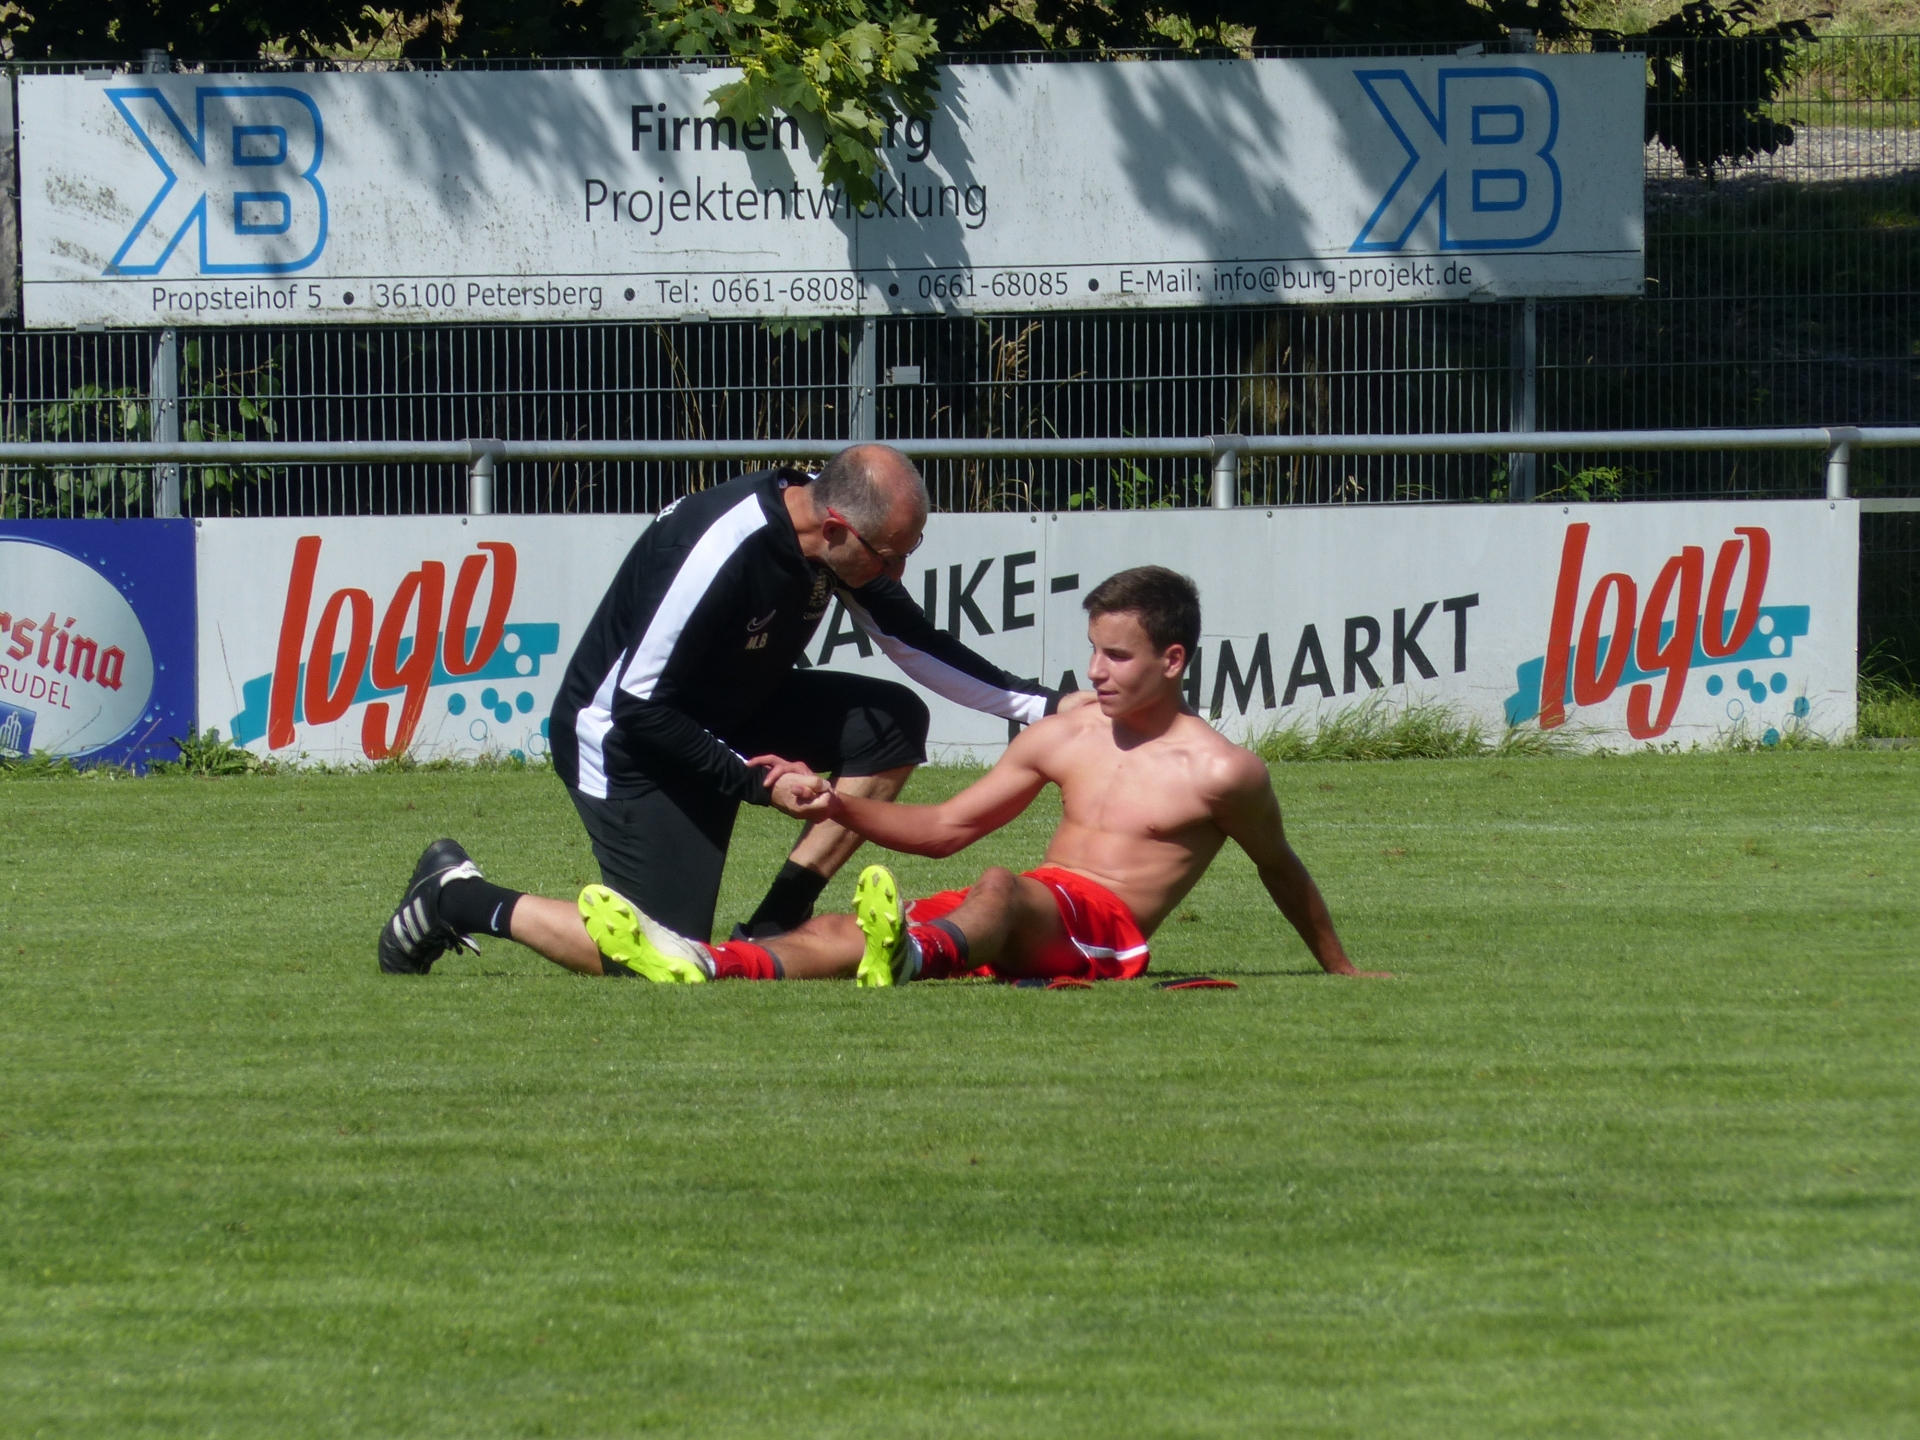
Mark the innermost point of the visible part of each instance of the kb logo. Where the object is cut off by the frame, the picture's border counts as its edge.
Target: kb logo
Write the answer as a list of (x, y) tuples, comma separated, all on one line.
[(1482, 154), (245, 174)]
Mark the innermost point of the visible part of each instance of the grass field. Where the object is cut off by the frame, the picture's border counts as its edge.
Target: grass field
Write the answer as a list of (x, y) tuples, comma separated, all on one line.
[(1629, 1146)]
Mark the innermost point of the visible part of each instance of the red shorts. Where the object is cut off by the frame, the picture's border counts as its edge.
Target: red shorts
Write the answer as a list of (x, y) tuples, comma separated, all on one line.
[(1103, 941)]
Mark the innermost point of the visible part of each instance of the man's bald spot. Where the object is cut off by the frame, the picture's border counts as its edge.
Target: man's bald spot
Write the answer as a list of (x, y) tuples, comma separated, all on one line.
[(877, 488), (899, 477)]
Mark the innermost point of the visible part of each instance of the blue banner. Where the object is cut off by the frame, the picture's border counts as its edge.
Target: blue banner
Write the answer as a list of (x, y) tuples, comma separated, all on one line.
[(97, 638)]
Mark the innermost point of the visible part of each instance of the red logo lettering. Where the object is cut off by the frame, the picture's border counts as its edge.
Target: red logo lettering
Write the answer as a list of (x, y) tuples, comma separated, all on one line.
[(1675, 601), (1759, 549), (505, 565), (420, 592), (323, 705), (326, 697), (1679, 577), (293, 631), (1566, 597)]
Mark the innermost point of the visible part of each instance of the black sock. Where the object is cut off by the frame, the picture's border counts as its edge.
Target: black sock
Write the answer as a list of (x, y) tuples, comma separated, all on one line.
[(789, 901), (477, 907)]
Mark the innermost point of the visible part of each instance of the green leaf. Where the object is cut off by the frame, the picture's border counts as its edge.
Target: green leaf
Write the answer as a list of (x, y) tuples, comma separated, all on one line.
[(855, 65)]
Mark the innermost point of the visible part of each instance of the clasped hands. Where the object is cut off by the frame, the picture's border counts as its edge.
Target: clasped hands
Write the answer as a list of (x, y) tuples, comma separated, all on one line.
[(794, 789)]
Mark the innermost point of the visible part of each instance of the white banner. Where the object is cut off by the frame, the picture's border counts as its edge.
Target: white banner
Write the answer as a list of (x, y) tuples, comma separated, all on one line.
[(1634, 624), (620, 194), (344, 640)]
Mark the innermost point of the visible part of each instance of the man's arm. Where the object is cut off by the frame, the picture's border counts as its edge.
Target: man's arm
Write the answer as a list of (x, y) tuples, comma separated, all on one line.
[(1250, 815), (668, 741), (936, 830), (885, 610)]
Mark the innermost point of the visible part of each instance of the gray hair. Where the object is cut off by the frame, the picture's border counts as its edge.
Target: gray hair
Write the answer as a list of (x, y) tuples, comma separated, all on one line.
[(856, 483)]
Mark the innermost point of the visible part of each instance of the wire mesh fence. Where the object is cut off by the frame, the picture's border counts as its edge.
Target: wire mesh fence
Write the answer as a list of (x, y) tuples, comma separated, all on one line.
[(1783, 288), (1890, 595)]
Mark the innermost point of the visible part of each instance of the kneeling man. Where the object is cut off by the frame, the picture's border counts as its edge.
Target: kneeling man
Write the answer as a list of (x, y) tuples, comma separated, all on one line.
[(1150, 791)]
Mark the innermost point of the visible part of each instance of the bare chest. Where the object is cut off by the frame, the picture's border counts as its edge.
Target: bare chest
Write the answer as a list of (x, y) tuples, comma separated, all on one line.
[(1147, 793)]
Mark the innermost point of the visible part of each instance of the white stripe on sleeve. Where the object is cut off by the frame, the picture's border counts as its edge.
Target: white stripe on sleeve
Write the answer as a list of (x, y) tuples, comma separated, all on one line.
[(696, 577), (944, 679)]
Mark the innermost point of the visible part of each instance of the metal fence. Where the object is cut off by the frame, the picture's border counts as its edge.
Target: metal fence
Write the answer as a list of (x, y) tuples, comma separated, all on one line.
[(1782, 291)]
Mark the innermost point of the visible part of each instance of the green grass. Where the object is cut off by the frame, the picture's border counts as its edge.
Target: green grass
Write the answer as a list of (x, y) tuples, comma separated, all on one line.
[(1628, 1148), (1888, 708)]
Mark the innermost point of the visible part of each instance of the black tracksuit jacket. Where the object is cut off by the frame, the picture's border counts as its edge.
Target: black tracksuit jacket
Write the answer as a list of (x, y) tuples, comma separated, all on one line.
[(705, 618)]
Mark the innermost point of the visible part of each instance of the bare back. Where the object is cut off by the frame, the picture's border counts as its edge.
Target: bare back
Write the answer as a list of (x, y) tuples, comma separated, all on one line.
[(1140, 814)]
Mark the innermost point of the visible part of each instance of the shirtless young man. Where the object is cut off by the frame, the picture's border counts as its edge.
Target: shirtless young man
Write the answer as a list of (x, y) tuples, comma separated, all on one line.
[(1151, 792)]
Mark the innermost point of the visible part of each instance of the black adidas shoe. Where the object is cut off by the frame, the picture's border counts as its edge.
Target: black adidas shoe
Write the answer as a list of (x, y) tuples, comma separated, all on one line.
[(416, 936)]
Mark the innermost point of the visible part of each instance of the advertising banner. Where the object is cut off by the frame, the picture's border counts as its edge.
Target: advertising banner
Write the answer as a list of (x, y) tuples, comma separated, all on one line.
[(1622, 625), (621, 194), (355, 640), (1599, 619), (96, 638)]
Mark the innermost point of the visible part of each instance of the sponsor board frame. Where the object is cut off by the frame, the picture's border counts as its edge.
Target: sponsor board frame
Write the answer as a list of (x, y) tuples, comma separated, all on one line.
[(1308, 610), (570, 195)]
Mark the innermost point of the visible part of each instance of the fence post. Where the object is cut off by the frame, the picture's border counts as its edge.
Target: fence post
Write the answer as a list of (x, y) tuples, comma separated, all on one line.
[(863, 379), (1524, 416), (1840, 440), (480, 484), (165, 428), (1226, 471), (165, 397)]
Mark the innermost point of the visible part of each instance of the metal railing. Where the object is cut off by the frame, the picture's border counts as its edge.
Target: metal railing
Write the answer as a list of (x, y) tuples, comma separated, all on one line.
[(482, 457), (1783, 288)]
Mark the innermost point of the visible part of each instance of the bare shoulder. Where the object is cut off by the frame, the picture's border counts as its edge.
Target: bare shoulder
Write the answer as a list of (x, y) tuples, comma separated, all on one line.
[(1043, 741), (1225, 771)]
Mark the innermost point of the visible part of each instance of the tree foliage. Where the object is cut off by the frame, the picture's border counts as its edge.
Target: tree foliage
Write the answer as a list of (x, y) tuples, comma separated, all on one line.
[(974, 26), (227, 30), (1708, 98), (855, 67)]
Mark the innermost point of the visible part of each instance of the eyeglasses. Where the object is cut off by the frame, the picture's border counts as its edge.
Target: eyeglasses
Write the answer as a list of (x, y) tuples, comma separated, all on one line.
[(874, 550)]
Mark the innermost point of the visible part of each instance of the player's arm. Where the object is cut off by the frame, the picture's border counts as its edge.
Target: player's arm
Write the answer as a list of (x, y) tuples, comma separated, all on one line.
[(936, 830), (1249, 813)]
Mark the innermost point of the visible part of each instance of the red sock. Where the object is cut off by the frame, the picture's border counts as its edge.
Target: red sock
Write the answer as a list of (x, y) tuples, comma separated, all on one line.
[(940, 953), (740, 960)]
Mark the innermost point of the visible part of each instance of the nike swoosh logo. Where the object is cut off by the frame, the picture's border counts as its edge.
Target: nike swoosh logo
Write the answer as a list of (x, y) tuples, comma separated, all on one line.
[(764, 621)]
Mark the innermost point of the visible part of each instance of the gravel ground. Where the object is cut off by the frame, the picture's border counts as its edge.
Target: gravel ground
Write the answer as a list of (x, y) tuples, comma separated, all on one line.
[(1818, 153)]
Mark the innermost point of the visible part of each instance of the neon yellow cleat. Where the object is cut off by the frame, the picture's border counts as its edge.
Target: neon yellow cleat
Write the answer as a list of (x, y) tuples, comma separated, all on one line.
[(883, 920), (637, 943)]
